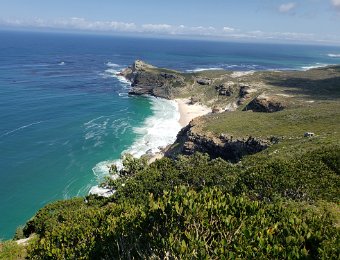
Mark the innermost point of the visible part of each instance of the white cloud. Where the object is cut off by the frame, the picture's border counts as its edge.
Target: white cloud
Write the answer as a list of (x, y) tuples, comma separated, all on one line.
[(287, 7), (228, 29), (72, 23), (336, 4), (157, 28), (226, 32)]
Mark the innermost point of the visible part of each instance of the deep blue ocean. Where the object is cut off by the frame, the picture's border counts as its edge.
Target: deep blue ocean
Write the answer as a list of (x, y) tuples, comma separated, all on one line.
[(65, 115)]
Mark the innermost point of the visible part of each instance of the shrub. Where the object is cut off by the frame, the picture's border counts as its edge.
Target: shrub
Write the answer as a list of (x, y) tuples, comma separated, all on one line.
[(186, 224), (314, 175)]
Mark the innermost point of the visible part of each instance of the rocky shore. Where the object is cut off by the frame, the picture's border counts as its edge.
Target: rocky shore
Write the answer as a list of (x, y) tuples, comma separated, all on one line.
[(214, 92)]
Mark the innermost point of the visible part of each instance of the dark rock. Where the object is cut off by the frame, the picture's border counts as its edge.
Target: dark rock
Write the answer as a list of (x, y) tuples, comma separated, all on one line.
[(245, 91), (225, 89), (216, 109), (224, 146), (194, 100), (308, 134), (203, 81), (241, 101), (149, 80), (264, 104)]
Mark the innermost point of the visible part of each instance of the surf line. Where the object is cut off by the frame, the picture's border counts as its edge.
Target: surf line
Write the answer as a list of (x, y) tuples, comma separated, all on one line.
[(20, 128)]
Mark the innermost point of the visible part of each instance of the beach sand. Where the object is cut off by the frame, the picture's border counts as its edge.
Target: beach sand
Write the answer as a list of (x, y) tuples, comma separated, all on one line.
[(189, 112)]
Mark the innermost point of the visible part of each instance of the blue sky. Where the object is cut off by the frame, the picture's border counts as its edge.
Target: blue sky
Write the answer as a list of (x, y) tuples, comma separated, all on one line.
[(315, 21)]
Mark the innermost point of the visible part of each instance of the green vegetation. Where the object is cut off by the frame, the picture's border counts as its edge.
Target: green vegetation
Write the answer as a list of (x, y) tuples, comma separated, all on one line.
[(281, 203), (200, 208), (10, 250), (322, 119)]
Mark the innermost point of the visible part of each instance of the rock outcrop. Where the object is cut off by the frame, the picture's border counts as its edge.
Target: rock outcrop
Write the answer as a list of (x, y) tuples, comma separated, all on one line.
[(223, 146), (149, 80), (204, 81), (265, 104), (226, 89)]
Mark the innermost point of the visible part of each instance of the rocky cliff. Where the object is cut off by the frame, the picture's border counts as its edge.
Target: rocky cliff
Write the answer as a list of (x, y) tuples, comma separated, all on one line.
[(233, 92), (149, 80), (190, 140)]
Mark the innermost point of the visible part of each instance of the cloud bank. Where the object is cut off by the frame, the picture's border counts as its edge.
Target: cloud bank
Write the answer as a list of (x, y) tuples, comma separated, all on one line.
[(225, 32)]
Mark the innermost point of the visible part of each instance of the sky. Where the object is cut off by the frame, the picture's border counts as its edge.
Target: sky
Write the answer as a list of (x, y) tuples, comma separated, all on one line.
[(299, 21)]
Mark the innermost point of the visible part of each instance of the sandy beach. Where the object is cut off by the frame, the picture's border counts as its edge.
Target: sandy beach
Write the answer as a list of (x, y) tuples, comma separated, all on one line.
[(189, 112)]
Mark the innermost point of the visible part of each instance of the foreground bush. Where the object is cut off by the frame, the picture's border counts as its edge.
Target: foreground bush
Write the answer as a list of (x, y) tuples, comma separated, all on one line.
[(247, 210), (314, 175), (10, 250), (189, 224)]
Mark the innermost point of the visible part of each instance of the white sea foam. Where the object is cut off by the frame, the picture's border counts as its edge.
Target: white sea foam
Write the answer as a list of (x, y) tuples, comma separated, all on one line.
[(315, 66), (156, 132), (104, 192), (242, 67), (113, 72), (334, 55), (114, 65), (20, 128), (204, 69), (61, 63)]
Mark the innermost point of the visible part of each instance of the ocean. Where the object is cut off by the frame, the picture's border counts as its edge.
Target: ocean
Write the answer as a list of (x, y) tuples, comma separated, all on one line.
[(65, 115)]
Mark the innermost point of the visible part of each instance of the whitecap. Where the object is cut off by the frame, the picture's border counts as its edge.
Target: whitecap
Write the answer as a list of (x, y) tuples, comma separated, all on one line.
[(333, 55), (315, 66), (62, 63), (157, 131), (103, 192), (204, 69), (20, 128), (114, 65), (113, 72)]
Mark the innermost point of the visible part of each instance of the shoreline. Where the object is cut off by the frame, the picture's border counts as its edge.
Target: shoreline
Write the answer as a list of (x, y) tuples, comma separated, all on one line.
[(189, 111)]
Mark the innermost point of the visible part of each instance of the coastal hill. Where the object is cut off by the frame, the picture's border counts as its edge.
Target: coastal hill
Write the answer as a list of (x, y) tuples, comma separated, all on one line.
[(308, 101), (258, 91), (257, 178)]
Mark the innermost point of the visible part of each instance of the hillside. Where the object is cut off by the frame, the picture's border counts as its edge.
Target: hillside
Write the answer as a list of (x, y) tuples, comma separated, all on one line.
[(258, 178)]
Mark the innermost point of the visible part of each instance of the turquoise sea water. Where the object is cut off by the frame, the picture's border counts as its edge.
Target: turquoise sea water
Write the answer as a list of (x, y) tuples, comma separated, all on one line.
[(64, 114)]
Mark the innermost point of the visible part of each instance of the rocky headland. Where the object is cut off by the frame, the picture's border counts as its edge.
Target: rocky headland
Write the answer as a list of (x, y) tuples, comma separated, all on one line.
[(235, 95)]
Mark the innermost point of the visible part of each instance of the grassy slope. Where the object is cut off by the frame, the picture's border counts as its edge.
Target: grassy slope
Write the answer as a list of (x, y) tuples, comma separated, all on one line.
[(295, 88), (313, 106)]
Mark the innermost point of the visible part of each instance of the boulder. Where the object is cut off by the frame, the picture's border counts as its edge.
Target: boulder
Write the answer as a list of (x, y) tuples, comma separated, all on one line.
[(203, 81), (245, 91), (194, 100), (308, 134), (216, 109), (225, 89)]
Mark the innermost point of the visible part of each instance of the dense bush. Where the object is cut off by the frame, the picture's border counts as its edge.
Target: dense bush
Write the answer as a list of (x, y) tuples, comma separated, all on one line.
[(196, 171), (314, 175), (221, 210), (10, 250), (189, 224), (212, 224)]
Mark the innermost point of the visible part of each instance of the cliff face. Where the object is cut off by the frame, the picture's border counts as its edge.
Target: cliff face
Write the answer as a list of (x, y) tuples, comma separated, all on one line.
[(190, 140), (149, 80), (265, 104)]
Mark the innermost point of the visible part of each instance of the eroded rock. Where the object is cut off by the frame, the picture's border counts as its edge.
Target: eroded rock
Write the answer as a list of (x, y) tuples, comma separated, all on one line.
[(265, 104)]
